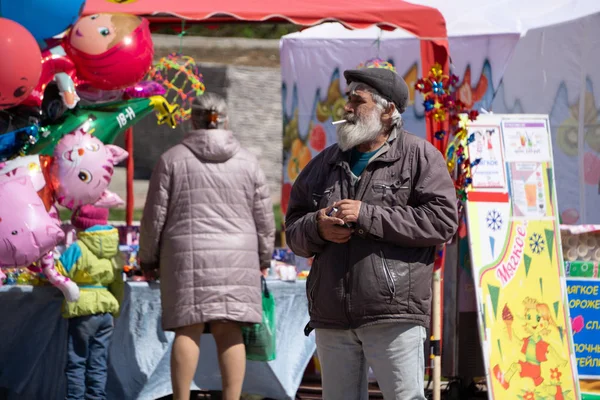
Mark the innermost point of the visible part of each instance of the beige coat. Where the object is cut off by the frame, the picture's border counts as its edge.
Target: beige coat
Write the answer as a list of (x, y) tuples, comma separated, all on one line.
[(208, 223)]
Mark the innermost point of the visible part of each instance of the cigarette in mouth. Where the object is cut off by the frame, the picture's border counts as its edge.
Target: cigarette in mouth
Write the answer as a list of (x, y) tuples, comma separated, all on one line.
[(341, 121)]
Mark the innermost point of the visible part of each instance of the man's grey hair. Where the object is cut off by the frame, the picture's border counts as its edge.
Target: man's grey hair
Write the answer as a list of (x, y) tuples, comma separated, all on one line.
[(382, 103), (206, 105)]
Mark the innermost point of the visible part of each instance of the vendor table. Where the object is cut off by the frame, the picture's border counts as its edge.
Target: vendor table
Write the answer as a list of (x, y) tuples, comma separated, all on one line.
[(33, 346)]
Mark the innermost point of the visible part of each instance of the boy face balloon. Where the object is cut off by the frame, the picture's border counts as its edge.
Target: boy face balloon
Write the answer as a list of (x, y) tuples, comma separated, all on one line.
[(20, 68), (97, 33), (110, 51)]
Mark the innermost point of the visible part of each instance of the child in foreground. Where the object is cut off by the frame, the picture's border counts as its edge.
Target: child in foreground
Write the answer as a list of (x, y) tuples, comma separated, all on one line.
[(90, 262)]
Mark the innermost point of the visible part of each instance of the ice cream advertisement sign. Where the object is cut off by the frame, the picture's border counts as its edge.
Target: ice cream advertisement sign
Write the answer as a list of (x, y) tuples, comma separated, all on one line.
[(584, 303), (507, 270), (526, 140), (517, 264)]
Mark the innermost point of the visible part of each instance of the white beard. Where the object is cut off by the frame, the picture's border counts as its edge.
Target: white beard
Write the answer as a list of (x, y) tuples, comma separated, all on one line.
[(358, 130)]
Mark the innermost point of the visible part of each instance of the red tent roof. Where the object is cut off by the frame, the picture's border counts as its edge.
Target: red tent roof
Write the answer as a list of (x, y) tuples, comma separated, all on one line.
[(423, 22)]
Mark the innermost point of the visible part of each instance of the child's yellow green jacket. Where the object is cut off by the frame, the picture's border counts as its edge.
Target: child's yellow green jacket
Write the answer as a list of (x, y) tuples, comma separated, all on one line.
[(90, 262)]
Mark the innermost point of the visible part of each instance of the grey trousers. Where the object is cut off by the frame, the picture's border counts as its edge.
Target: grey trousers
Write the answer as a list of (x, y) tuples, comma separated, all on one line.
[(393, 350)]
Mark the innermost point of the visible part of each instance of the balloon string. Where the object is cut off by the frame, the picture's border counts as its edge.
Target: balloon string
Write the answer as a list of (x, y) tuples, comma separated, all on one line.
[(181, 36)]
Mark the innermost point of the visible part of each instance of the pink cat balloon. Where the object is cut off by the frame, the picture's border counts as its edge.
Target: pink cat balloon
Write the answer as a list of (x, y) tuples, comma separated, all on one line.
[(29, 234), (82, 170)]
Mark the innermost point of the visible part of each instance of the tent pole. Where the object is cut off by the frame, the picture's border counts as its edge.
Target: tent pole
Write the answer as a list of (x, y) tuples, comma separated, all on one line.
[(436, 322), (130, 194), (436, 52)]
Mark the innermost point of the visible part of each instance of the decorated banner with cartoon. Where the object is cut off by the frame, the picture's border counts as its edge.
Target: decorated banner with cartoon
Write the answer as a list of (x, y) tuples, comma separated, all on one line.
[(516, 257)]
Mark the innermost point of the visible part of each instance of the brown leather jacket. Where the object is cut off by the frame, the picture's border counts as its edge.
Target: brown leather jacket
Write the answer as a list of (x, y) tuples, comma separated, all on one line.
[(384, 272)]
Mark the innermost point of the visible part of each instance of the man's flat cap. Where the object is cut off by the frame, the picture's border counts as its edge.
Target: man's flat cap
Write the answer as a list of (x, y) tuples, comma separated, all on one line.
[(388, 84)]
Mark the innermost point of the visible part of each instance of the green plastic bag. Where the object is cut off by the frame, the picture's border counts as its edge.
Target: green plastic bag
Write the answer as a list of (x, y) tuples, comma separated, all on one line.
[(260, 338)]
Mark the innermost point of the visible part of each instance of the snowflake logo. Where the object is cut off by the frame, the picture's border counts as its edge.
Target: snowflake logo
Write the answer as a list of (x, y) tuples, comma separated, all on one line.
[(536, 243), (494, 220)]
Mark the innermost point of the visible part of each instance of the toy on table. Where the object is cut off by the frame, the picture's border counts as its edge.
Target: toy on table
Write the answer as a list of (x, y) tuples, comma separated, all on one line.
[(581, 250), (11, 279), (283, 265), (131, 268), (303, 275)]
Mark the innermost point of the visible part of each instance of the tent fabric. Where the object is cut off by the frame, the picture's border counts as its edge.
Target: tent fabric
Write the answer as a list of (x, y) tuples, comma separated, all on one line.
[(474, 18), (420, 20)]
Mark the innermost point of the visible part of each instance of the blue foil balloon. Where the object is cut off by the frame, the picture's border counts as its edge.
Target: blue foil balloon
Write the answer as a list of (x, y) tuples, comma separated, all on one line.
[(43, 18), (18, 141)]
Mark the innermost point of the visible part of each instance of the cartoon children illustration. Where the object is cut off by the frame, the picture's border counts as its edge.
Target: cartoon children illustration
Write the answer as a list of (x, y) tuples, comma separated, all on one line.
[(490, 144), (538, 325)]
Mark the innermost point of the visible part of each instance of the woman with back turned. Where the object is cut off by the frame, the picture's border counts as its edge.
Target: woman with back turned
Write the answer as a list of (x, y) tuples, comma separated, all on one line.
[(208, 225)]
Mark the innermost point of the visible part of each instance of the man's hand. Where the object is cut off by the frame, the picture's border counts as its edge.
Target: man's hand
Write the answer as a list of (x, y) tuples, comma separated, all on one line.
[(332, 228), (348, 210)]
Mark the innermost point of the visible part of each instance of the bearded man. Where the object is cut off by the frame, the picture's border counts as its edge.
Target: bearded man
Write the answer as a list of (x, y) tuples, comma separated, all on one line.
[(371, 210)]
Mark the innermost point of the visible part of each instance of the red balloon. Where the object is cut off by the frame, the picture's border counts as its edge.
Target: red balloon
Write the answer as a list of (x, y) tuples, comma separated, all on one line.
[(110, 51), (20, 65), (51, 65)]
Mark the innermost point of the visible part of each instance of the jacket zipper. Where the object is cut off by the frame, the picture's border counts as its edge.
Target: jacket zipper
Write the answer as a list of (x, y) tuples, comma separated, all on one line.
[(383, 188), (347, 288), (352, 192), (313, 288), (388, 276)]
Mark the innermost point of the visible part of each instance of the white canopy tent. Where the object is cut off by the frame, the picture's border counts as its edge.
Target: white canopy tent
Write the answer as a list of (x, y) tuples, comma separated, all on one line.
[(513, 56)]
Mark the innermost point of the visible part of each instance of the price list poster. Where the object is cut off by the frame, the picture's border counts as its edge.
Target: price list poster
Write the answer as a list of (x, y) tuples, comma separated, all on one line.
[(516, 256)]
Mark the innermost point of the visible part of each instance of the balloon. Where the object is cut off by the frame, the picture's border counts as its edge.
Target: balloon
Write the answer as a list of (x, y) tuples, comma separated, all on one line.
[(43, 18), (105, 121), (28, 233), (179, 75), (110, 51), (20, 68), (145, 89), (26, 230), (16, 142), (79, 173), (56, 67), (82, 170), (28, 166), (93, 96)]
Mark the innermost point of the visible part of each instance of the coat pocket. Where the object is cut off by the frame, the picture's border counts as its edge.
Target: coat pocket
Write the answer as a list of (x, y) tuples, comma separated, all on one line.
[(320, 199), (311, 285), (393, 278), (390, 193), (389, 279)]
